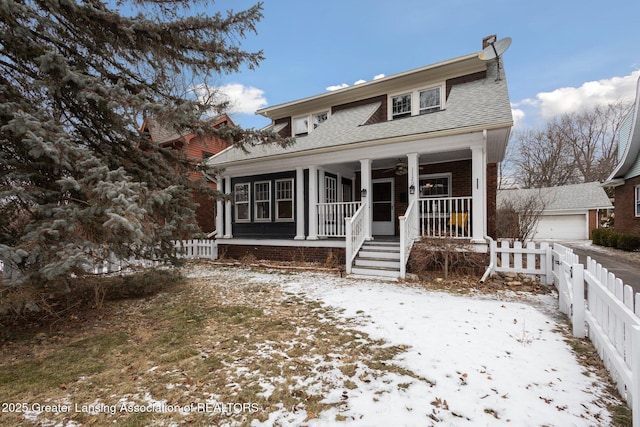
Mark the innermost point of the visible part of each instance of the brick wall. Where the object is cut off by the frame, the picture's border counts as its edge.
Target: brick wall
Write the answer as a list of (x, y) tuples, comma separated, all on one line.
[(492, 190), (625, 217), (282, 253)]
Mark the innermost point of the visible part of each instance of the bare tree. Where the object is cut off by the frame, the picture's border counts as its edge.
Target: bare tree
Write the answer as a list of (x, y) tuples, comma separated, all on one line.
[(518, 215), (569, 149)]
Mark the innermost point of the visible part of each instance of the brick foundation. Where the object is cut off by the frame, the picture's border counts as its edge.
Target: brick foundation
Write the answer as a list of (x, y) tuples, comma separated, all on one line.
[(283, 253)]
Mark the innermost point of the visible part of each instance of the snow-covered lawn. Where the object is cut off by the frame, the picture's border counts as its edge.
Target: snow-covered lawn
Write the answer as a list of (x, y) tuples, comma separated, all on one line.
[(475, 360)]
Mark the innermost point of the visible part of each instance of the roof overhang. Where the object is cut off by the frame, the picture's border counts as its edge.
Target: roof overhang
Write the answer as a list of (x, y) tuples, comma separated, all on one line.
[(438, 72)]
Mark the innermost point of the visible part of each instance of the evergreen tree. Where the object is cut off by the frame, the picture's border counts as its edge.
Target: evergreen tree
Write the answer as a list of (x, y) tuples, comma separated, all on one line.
[(78, 181)]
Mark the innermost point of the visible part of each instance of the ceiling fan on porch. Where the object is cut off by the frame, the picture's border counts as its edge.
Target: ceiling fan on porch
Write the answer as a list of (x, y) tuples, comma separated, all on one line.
[(400, 167)]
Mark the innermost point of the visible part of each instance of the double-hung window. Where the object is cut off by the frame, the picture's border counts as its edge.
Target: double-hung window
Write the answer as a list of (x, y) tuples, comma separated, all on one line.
[(416, 102), (284, 200), (401, 106), (637, 200), (429, 100), (262, 202), (435, 185), (305, 124), (242, 198)]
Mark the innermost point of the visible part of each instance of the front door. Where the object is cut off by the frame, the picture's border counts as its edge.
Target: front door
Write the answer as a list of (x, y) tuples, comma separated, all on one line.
[(382, 201)]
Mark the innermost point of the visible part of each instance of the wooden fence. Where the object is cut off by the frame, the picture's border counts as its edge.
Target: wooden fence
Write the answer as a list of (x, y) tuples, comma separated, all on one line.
[(598, 304)]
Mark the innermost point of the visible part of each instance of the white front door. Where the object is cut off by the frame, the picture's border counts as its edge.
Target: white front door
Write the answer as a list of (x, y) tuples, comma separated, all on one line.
[(382, 207)]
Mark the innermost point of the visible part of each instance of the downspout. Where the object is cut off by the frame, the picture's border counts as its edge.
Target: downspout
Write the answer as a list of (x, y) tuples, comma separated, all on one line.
[(492, 265), (488, 238)]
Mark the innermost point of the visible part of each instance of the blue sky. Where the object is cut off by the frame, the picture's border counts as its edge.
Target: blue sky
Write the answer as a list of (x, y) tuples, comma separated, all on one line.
[(564, 54)]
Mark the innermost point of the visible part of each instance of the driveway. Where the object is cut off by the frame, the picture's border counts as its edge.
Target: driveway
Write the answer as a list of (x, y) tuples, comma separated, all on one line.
[(625, 265)]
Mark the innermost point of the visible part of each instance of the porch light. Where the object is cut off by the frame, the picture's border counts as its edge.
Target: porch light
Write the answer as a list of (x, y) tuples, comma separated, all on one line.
[(412, 189), (363, 193)]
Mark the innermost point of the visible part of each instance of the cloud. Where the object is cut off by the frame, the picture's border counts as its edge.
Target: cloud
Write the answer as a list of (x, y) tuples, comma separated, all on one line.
[(590, 94), (357, 82), (518, 115), (337, 87), (243, 99)]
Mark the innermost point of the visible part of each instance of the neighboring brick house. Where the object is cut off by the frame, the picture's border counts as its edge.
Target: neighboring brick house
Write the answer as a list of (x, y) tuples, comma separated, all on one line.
[(408, 155), (625, 179), (197, 148)]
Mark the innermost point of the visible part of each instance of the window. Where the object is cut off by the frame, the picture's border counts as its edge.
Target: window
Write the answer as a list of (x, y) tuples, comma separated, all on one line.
[(320, 118), (638, 200), (429, 100), (330, 189), (262, 204), (435, 185), (241, 198), (401, 105), (284, 200), (301, 124), (416, 102)]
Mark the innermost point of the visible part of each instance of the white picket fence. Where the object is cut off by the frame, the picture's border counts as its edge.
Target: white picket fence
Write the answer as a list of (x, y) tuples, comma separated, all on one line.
[(185, 249), (609, 316)]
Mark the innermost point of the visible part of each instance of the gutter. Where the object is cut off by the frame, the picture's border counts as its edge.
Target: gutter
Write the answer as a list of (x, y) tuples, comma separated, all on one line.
[(492, 266)]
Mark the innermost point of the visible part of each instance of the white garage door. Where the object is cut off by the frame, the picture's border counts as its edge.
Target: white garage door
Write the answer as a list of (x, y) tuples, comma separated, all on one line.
[(566, 227)]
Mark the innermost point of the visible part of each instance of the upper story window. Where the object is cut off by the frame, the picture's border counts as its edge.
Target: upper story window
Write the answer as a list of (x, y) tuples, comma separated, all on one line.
[(416, 102), (401, 105), (429, 100), (301, 124)]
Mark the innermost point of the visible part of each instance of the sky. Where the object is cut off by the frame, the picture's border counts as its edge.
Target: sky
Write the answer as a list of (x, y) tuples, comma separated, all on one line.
[(564, 56)]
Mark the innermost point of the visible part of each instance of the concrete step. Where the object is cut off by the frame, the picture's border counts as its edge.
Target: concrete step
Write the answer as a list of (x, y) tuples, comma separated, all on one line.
[(377, 262), (368, 253), (376, 272)]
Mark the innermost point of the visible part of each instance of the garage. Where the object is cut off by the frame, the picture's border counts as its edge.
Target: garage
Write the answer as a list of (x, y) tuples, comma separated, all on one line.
[(564, 227)]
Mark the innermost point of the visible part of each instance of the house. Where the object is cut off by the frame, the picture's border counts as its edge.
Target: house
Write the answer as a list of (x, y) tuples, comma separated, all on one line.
[(197, 148), (569, 212), (625, 179), (386, 161)]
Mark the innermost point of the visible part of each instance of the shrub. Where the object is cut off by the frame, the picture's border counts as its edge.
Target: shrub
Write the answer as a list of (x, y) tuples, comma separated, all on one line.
[(628, 242), (609, 238)]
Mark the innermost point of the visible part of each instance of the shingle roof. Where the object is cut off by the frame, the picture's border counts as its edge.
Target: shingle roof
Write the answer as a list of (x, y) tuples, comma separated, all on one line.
[(590, 195), (478, 103)]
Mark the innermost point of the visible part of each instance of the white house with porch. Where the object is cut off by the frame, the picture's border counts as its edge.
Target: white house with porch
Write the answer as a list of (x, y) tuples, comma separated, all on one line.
[(379, 163)]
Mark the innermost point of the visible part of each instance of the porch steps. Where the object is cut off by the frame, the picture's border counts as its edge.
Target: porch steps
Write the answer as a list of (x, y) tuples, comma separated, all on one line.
[(378, 259)]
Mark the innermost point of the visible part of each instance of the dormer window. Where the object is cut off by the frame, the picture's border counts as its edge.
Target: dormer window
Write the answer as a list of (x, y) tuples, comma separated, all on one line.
[(301, 124), (422, 101), (401, 106), (429, 100)]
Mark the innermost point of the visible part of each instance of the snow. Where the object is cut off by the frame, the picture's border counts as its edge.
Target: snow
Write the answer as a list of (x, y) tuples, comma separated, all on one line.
[(475, 361)]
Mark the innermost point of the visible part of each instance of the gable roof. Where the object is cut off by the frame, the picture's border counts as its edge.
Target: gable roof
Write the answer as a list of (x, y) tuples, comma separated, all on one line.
[(162, 135), (628, 145), (589, 195), (472, 106)]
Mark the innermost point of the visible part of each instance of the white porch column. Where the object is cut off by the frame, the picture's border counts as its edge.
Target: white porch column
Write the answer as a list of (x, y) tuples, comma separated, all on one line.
[(313, 203), (227, 210), (300, 219), (414, 179), (365, 186), (478, 195), (219, 208)]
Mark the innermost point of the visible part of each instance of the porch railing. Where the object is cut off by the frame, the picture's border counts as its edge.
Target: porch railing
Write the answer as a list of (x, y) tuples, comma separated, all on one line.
[(445, 217), (356, 233), (331, 217), (408, 234)]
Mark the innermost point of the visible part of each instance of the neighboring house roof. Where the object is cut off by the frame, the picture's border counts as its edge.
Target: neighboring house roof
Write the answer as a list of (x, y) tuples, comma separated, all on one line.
[(628, 145), (161, 134), (472, 106), (586, 196)]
